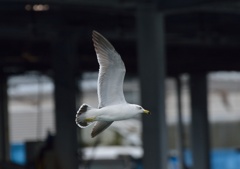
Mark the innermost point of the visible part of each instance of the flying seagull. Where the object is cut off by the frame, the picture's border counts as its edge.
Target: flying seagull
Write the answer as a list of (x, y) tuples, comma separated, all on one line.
[(112, 104)]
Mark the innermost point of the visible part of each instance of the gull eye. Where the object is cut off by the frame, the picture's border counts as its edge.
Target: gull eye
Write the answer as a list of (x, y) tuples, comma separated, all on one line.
[(139, 107)]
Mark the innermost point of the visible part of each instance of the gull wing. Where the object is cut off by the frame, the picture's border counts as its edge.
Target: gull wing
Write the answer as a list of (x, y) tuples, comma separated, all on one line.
[(110, 78), (111, 73), (99, 127)]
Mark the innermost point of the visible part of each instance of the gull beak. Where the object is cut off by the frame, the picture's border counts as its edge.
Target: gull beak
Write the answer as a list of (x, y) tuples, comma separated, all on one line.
[(146, 112)]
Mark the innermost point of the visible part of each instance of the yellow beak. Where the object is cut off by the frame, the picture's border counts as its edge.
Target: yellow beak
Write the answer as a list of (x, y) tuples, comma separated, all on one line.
[(146, 112)]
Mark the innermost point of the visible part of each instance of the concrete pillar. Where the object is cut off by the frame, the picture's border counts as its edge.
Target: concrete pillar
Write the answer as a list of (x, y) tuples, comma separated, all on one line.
[(151, 52), (4, 127), (180, 126), (64, 64), (200, 126)]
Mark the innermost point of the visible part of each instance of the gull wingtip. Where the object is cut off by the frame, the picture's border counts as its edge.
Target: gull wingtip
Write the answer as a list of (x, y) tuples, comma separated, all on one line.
[(94, 32)]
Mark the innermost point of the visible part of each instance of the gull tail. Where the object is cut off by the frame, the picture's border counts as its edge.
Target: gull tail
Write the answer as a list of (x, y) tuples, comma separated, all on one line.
[(81, 117)]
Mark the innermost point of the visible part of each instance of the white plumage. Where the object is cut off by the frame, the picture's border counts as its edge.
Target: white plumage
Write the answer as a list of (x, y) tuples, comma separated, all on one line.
[(112, 103)]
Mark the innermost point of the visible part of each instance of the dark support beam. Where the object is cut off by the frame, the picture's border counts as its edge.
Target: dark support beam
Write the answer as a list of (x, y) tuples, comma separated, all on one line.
[(200, 125), (151, 50), (4, 127), (64, 64), (180, 127)]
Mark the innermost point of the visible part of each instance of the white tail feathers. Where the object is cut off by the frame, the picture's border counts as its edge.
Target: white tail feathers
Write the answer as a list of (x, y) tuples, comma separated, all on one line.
[(81, 119)]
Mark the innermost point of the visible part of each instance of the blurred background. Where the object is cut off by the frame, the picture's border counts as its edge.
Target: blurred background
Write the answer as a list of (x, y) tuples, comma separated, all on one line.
[(182, 61)]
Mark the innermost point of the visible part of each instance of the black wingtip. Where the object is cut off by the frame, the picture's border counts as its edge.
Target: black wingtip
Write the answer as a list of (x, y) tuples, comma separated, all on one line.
[(96, 34), (100, 42), (92, 135)]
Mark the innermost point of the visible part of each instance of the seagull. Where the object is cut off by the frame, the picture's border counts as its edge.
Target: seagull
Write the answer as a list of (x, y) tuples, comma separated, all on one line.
[(112, 104)]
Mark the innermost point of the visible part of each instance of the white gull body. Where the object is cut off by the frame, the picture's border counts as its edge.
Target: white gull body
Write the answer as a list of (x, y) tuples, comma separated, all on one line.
[(112, 104)]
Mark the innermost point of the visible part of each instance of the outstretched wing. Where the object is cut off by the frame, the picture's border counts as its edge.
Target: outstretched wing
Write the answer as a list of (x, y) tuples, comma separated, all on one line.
[(100, 126), (111, 72), (110, 78)]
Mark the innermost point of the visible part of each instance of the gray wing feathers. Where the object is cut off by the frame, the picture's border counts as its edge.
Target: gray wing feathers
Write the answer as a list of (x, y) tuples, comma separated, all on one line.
[(111, 72), (99, 127)]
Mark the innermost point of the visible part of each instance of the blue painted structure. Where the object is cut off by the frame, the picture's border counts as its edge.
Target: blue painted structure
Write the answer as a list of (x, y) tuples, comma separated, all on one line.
[(18, 153)]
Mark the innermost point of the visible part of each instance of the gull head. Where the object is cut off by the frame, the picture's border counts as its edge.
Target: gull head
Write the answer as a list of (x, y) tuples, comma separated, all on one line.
[(140, 109)]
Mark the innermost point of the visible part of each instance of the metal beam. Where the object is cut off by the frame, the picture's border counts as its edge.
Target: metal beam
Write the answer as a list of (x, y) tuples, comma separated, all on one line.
[(200, 126), (4, 127), (151, 50), (180, 126), (173, 7), (64, 64)]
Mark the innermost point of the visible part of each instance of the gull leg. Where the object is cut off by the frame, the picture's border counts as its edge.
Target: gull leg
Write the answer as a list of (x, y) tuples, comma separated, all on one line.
[(90, 119)]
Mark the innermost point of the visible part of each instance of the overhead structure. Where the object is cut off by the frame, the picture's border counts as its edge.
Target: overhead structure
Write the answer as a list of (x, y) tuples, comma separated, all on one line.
[(207, 30), (65, 82), (4, 126), (200, 126), (151, 49)]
